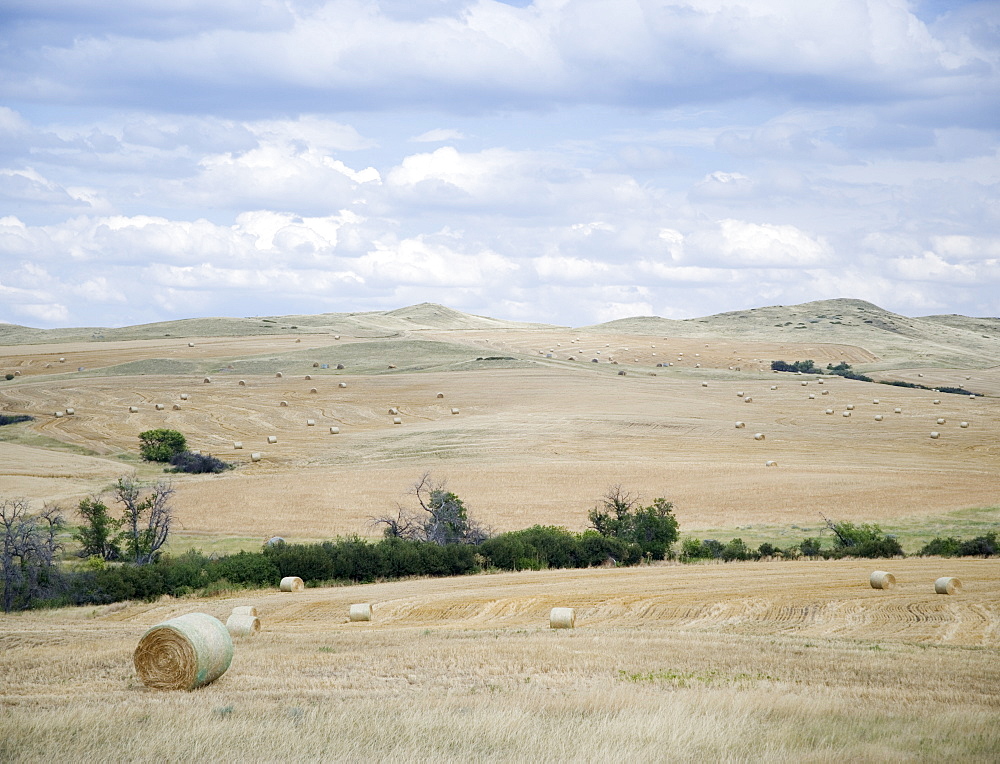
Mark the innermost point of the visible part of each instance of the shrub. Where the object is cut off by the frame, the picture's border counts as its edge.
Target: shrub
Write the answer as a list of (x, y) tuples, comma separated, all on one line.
[(249, 569), (14, 418), (620, 515), (161, 445), (981, 546), (810, 547), (736, 550), (8, 376), (190, 462), (942, 547)]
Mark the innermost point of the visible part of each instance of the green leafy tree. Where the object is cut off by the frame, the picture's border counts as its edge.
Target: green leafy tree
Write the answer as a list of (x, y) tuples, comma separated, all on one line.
[(161, 445), (100, 535), (621, 515)]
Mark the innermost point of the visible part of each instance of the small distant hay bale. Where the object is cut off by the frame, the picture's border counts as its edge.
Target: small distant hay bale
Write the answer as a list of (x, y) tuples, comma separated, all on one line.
[(963, 425), (190, 344), (621, 373), (741, 425), (829, 411), (875, 401), (60, 414), (255, 456), (183, 653), (62, 360), (935, 435), (758, 436), (936, 401), (133, 409), (397, 420), (562, 618), (245, 610), (335, 431), (440, 395), (825, 392), (342, 384), (739, 393), (283, 404), (847, 413), (393, 410), (207, 381), (704, 384), (184, 396), (158, 406), (878, 417), (947, 585), (177, 407), (774, 387), (920, 375), (315, 364), (697, 365), (897, 411), (360, 611), (272, 439), (770, 463), (812, 396), (278, 375), (748, 399), (879, 579), (391, 366), (238, 444), (274, 541), (17, 374), (850, 407), (70, 412), (336, 336), (313, 391), (310, 423), (291, 584), (454, 411), (941, 420), (241, 625), (242, 383), (308, 376), (804, 383)]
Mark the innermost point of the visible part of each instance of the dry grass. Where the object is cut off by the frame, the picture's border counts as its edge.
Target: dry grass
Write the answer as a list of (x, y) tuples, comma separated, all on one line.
[(751, 661)]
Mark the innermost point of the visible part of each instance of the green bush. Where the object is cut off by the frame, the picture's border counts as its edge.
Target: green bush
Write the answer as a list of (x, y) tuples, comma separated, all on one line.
[(14, 418), (161, 445), (620, 515), (192, 463)]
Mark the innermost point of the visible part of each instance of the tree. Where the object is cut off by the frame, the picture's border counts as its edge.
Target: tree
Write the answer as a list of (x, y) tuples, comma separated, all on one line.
[(146, 519), (161, 445), (864, 540), (100, 536), (27, 557), (443, 518), (621, 515)]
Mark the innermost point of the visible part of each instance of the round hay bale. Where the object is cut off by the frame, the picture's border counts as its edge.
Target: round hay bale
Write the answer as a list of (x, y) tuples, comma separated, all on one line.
[(440, 395), (62, 360), (878, 417), (897, 411), (70, 412), (850, 407), (758, 436), (336, 336), (393, 411), (242, 383), (283, 404), (812, 396), (183, 653), (272, 439), (240, 625), (158, 406), (133, 409), (315, 364), (59, 414), (278, 375), (391, 366), (245, 610), (739, 394), (740, 425), (190, 344), (697, 365), (824, 392), (342, 384), (770, 463), (177, 407), (562, 618), (207, 381), (919, 374), (935, 435), (454, 411), (238, 444), (963, 425), (947, 585), (748, 399), (255, 456), (847, 413), (313, 391), (941, 420), (184, 396), (275, 540), (774, 387), (308, 376), (291, 584), (361, 611), (875, 401), (310, 423), (829, 411), (397, 420), (621, 373), (804, 383), (879, 579), (17, 374), (936, 401), (704, 384), (335, 431)]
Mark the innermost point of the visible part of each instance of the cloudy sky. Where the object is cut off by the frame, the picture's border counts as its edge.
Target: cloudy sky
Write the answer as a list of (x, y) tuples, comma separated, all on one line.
[(568, 161)]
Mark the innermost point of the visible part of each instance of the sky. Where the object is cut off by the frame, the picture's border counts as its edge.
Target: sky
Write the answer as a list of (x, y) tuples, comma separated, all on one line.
[(564, 161)]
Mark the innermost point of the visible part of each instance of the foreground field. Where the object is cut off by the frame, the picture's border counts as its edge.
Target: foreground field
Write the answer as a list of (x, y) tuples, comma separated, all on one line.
[(753, 661)]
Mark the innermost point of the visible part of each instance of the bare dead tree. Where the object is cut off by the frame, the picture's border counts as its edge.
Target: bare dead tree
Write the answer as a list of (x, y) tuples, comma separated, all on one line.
[(443, 518), (147, 519), (29, 548)]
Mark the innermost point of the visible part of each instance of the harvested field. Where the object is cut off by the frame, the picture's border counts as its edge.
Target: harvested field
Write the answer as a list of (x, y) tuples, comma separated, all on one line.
[(756, 660)]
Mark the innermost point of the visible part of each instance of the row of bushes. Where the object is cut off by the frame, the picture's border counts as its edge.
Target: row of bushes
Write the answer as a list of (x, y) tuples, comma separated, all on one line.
[(980, 546)]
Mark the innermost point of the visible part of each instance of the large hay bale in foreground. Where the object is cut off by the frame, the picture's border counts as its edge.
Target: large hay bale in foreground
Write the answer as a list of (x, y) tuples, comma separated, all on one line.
[(879, 579), (245, 610), (361, 611), (183, 653), (947, 585), (562, 618), (291, 584), (242, 625)]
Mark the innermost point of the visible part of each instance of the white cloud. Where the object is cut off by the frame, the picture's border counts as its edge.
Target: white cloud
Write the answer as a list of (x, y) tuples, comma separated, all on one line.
[(439, 135), (740, 244), (421, 261)]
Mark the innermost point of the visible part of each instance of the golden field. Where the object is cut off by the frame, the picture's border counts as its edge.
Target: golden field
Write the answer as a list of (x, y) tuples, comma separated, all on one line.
[(745, 661)]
